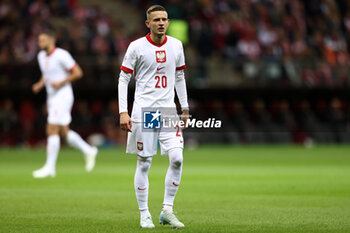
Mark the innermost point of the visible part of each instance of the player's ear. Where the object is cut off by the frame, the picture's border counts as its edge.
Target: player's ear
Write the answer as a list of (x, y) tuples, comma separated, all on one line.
[(147, 23)]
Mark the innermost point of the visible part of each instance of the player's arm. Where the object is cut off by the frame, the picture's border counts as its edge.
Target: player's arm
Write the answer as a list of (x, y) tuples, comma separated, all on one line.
[(125, 120), (180, 87), (74, 74), (38, 85)]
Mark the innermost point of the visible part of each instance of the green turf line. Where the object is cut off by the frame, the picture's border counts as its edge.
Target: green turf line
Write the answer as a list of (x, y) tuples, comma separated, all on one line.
[(246, 189)]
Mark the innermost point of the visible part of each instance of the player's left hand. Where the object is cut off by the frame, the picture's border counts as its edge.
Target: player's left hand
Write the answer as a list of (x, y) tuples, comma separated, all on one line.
[(184, 117), (57, 85), (37, 87)]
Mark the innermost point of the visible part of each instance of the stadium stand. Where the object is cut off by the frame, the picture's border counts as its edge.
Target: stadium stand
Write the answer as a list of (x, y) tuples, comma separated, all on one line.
[(234, 46)]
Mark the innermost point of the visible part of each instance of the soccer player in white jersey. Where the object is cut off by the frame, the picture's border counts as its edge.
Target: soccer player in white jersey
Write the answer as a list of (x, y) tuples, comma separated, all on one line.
[(157, 63), (58, 70)]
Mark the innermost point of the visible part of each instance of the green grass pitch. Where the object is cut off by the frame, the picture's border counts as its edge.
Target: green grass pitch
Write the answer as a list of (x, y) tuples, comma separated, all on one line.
[(252, 189)]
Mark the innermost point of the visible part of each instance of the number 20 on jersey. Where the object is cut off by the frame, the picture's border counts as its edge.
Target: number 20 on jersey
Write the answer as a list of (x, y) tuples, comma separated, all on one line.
[(161, 81)]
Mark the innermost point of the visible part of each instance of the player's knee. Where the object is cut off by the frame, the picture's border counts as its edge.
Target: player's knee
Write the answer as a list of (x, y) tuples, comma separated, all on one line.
[(52, 130), (176, 158), (144, 163), (64, 132), (177, 162)]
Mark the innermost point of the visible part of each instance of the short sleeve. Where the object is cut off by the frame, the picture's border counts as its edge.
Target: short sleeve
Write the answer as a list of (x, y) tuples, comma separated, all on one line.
[(180, 63), (129, 61), (67, 61)]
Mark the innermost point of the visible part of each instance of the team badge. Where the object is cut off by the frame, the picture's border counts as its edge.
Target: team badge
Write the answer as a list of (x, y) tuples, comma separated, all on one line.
[(140, 146), (161, 56)]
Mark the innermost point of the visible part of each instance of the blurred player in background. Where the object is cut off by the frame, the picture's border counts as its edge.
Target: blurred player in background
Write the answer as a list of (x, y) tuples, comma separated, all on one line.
[(58, 70), (158, 63)]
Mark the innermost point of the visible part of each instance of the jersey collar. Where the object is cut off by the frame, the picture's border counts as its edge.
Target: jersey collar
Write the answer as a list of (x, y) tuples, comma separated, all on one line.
[(148, 37), (52, 51)]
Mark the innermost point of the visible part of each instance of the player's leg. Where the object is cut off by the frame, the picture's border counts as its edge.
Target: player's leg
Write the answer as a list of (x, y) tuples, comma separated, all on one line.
[(141, 185), (172, 183), (73, 139), (52, 149), (171, 144), (144, 144), (173, 177)]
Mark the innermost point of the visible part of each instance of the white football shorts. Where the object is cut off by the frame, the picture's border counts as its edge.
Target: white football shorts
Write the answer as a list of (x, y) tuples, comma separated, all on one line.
[(59, 110), (145, 143)]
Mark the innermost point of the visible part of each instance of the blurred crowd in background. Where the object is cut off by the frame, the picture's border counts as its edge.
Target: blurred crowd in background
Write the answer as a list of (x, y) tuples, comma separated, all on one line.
[(257, 121), (273, 42), (228, 43), (264, 42)]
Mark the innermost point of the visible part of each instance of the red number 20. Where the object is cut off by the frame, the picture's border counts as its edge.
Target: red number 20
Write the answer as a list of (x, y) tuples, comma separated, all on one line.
[(163, 81)]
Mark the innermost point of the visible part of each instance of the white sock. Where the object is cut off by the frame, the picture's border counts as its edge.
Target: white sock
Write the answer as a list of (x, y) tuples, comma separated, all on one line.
[(52, 149), (74, 140), (144, 214), (168, 208), (141, 184), (173, 177)]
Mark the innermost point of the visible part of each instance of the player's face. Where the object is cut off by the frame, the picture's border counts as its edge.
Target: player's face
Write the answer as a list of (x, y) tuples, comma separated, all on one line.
[(158, 22), (44, 41)]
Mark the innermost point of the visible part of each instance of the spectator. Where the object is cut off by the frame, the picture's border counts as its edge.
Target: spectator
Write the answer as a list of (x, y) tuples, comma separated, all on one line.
[(8, 121)]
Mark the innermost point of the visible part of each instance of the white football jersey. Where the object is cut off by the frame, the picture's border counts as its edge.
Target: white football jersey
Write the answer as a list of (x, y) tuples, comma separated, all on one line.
[(154, 68), (55, 67)]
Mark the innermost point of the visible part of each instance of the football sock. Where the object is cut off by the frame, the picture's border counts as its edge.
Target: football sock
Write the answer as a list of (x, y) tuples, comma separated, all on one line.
[(74, 140), (168, 208), (144, 213), (173, 177), (141, 184), (52, 149)]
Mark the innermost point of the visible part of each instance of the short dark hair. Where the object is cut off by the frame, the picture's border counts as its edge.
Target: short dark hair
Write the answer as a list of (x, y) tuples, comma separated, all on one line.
[(49, 32), (155, 8)]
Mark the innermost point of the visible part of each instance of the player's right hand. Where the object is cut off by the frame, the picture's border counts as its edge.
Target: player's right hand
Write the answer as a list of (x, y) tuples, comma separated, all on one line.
[(125, 122), (37, 87), (184, 117)]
